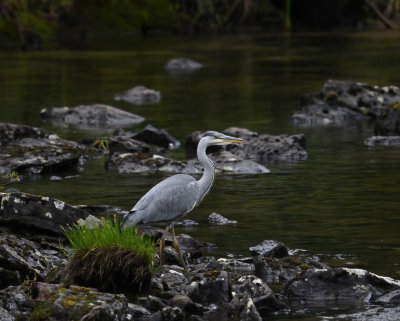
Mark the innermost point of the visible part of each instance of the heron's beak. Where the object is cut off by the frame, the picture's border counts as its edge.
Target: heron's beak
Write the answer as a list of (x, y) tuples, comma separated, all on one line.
[(230, 139)]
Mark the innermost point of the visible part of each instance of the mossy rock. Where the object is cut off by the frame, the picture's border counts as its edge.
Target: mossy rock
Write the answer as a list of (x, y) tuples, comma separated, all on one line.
[(110, 269)]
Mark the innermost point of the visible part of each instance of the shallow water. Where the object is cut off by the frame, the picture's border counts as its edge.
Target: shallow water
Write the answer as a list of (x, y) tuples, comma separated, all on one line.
[(342, 203)]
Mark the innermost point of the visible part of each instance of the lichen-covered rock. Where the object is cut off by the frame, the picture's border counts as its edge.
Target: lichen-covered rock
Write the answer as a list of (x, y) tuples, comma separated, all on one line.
[(28, 214), (283, 270), (32, 150), (26, 259), (182, 65), (43, 301), (95, 116), (340, 102), (139, 95), (386, 141)]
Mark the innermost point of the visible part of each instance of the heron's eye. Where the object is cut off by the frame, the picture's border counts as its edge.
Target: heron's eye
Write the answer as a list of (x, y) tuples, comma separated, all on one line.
[(215, 136)]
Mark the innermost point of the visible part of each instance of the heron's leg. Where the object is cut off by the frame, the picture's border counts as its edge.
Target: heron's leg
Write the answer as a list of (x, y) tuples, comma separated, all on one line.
[(175, 245), (162, 241)]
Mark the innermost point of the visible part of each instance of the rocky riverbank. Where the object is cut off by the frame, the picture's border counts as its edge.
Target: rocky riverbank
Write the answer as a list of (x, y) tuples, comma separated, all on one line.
[(272, 280)]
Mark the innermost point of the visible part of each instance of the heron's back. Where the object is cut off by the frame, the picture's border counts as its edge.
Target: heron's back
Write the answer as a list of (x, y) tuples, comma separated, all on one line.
[(167, 201)]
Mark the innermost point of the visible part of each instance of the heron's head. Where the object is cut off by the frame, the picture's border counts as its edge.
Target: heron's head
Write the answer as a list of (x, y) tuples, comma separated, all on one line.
[(216, 138)]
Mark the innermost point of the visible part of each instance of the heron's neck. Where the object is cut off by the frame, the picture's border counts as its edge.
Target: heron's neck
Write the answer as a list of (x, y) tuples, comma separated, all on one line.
[(206, 181)]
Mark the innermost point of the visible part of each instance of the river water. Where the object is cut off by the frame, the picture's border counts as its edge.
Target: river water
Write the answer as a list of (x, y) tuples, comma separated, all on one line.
[(342, 203)]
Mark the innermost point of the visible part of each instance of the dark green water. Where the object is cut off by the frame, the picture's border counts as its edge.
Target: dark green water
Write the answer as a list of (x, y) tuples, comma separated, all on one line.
[(343, 200)]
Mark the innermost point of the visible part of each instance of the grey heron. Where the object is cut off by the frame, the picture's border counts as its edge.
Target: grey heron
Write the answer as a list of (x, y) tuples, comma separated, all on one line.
[(176, 196)]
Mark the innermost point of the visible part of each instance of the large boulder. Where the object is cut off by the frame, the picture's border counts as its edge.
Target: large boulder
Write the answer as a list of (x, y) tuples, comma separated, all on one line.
[(95, 116), (340, 102), (28, 215), (257, 147), (139, 95), (324, 288), (32, 150)]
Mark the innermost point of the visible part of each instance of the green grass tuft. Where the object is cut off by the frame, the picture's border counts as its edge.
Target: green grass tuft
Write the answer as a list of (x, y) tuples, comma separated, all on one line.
[(108, 235)]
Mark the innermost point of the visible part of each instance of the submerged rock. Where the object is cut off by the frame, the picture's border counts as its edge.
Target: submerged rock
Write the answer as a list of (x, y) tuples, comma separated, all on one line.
[(95, 116), (139, 95), (32, 150), (340, 102), (182, 65)]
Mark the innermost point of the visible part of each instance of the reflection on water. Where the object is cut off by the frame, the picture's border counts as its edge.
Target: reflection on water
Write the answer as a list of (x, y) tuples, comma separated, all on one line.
[(342, 200)]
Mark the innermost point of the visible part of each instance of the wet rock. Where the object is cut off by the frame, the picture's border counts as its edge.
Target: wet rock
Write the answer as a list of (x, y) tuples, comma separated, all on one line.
[(372, 314), (240, 266), (139, 95), (182, 65), (124, 142), (173, 278), (317, 113), (186, 223), (392, 297), (340, 102), (242, 308), (102, 210), (210, 287), (172, 314), (389, 141), (28, 214), (187, 306), (31, 150), (270, 248), (129, 163), (21, 258), (252, 286), (189, 244), (158, 137), (218, 219), (266, 148), (95, 116), (228, 163), (317, 288), (154, 303), (259, 148), (37, 300), (388, 122)]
